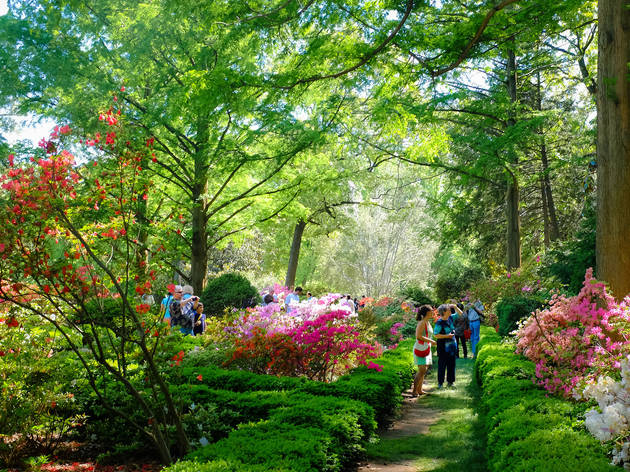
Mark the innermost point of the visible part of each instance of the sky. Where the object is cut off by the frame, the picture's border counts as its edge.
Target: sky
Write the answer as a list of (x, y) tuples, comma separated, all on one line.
[(27, 129), (3, 7)]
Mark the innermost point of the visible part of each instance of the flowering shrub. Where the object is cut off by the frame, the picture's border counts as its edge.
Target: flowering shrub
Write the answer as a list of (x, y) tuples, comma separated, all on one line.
[(505, 284), (318, 349), (577, 339)]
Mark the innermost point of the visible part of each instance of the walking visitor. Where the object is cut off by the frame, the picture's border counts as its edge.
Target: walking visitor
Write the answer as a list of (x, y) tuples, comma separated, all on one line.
[(461, 326)]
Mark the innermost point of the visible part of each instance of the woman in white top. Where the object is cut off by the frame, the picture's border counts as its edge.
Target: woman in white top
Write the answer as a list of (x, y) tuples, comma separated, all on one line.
[(422, 347)]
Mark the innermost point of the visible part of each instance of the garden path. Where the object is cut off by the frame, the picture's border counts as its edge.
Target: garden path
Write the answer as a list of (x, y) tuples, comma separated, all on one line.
[(436, 432)]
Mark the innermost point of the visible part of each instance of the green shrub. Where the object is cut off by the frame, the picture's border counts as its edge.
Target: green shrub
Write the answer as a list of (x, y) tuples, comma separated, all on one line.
[(554, 450), (381, 390), (511, 310), (421, 296), (276, 446), (228, 290), (222, 465), (349, 423), (527, 430)]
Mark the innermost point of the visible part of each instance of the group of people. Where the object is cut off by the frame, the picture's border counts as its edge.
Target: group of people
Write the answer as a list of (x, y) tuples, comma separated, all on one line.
[(181, 309), (289, 303), (452, 323)]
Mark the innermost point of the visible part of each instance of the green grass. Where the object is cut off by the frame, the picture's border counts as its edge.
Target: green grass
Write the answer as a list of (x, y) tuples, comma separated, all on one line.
[(455, 442)]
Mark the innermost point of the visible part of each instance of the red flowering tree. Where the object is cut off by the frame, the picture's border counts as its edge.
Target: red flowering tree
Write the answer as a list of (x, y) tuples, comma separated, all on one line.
[(70, 253)]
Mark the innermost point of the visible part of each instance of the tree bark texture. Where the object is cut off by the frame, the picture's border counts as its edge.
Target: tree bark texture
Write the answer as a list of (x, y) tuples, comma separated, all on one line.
[(199, 240), (613, 146), (294, 255)]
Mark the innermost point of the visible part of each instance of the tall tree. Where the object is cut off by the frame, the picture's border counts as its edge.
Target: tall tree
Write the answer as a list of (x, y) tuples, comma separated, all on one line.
[(613, 145)]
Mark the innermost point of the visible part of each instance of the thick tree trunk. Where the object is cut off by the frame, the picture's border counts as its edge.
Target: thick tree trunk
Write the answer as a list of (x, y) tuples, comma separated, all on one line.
[(513, 236), (295, 253), (199, 240), (199, 262), (543, 195), (613, 146)]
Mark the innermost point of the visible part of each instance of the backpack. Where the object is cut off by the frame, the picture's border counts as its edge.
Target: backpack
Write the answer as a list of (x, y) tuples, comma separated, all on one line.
[(167, 305)]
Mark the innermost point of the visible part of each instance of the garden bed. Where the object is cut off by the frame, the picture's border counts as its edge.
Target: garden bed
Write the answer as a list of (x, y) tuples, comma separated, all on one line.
[(528, 429)]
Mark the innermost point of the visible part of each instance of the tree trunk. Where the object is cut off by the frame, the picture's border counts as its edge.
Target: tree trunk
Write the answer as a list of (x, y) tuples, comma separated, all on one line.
[(295, 253), (552, 229), (513, 225), (199, 250), (613, 146), (199, 240), (512, 196), (543, 195)]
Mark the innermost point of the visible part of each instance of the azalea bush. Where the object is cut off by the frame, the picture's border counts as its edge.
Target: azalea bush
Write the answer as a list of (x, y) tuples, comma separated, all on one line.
[(318, 346), (73, 253), (578, 339), (525, 281), (610, 421)]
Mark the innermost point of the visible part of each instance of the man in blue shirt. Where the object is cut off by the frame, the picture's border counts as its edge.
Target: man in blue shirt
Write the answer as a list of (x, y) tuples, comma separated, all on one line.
[(292, 298), (475, 314)]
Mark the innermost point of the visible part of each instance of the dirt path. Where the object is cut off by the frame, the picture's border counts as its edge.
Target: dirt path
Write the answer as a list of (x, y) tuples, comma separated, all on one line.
[(415, 419), (437, 432)]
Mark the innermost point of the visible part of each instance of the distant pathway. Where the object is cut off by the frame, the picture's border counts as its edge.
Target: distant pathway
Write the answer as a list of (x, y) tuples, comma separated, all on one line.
[(436, 432)]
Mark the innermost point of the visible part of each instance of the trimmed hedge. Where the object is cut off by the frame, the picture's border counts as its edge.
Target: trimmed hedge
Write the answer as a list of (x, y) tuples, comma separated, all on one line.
[(292, 424), (349, 424), (381, 390), (527, 430)]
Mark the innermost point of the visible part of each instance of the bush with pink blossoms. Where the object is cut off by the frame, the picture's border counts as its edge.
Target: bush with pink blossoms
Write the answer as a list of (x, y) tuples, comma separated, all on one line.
[(577, 339), (320, 349)]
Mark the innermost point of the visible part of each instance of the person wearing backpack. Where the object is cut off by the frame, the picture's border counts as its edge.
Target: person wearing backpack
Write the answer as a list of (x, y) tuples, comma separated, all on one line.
[(165, 305), (444, 332), (181, 314)]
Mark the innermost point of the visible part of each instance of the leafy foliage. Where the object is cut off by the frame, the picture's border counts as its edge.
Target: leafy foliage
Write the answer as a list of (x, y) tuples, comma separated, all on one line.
[(511, 310), (230, 290), (569, 259)]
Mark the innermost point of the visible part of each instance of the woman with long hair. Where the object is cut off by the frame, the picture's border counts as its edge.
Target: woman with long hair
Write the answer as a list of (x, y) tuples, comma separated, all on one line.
[(422, 347)]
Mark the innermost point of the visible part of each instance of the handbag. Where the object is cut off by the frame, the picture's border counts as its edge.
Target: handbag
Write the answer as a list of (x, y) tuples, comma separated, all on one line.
[(467, 333), (423, 352)]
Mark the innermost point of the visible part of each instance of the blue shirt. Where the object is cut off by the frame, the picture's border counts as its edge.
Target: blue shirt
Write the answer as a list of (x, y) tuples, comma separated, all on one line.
[(291, 298), (472, 314), (166, 301)]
